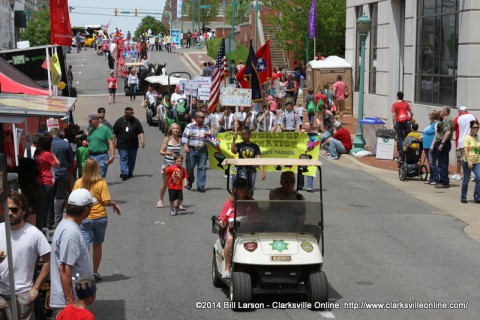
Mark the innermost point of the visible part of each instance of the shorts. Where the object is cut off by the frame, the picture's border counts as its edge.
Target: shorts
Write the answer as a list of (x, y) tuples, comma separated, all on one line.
[(175, 195), (112, 90), (93, 231), (340, 104), (24, 306), (460, 154)]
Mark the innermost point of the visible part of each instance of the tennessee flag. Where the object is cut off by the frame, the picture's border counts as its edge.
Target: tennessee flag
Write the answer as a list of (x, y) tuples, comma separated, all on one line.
[(264, 63), (251, 75)]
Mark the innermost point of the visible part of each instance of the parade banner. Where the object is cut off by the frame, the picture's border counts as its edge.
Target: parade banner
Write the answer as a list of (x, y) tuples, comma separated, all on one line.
[(60, 30), (294, 145)]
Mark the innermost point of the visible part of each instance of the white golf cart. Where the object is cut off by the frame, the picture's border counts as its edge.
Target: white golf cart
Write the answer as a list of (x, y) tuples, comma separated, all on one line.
[(278, 244)]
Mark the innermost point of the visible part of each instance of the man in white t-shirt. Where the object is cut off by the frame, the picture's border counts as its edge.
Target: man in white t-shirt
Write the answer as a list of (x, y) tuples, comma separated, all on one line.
[(152, 101), (461, 125), (174, 99), (28, 243)]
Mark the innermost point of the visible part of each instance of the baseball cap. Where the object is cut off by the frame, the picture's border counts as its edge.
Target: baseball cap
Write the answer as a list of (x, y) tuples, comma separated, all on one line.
[(54, 131), (462, 108), (93, 116), (85, 287), (337, 124), (81, 197)]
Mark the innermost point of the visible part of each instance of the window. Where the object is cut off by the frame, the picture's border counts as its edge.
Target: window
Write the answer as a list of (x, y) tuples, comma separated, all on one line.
[(437, 52), (359, 13), (372, 88)]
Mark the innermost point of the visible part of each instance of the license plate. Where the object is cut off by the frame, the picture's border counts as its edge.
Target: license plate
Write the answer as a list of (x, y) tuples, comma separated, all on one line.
[(281, 258)]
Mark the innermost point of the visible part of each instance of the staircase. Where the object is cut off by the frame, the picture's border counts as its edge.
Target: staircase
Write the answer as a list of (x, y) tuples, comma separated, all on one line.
[(277, 55)]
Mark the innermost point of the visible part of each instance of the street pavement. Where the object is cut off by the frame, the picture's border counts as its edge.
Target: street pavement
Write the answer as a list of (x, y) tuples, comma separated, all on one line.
[(383, 242)]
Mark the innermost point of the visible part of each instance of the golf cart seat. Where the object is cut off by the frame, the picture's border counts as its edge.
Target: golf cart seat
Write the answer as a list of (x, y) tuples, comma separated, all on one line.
[(219, 230)]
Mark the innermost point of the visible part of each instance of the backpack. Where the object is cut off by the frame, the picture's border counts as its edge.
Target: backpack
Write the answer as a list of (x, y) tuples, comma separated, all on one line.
[(319, 106), (311, 107), (181, 110), (328, 93), (402, 116)]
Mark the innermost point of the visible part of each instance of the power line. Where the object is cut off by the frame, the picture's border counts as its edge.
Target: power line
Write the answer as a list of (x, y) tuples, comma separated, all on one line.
[(109, 8), (118, 15)]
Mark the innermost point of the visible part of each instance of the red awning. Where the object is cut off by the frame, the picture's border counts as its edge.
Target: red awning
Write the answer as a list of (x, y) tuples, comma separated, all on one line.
[(10, 86)]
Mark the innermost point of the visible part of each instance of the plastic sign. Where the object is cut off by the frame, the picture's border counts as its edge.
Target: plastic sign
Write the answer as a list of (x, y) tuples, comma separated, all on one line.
[(190, 88), (203, 81), (236, 97), (203, 93)]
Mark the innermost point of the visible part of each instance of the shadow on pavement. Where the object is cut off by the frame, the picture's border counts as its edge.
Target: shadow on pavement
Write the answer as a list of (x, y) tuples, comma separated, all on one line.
[(114, 277), (109, 309)]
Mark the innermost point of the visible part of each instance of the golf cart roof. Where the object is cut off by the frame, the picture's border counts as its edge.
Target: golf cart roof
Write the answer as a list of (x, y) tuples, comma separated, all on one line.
[(271, 162), (163, 80)]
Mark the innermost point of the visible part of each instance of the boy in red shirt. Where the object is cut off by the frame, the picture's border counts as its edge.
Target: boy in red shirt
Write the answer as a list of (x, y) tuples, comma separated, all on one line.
[(86, 294), (340, 142), (177, 179)]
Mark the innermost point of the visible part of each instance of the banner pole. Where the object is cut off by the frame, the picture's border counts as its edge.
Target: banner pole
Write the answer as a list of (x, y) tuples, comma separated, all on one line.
[(48, 72)]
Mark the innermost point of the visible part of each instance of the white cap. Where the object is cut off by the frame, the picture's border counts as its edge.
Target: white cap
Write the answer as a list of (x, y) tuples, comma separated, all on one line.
[(462, 108), (81, 197), (337, 124)]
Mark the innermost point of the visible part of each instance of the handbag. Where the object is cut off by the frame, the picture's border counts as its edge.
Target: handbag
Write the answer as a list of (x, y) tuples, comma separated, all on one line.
[(144, 103)]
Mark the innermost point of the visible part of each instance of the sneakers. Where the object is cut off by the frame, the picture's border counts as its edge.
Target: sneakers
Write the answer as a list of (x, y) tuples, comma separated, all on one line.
[(310, 190), (201, 190), (332, 158), (173, 212), (433, 183), (456, 176), (181, 208), (463, 201), (155, 118), (442, 186), (97, 277), (226, 275), (159, 204), (473, 177), (189, 186)]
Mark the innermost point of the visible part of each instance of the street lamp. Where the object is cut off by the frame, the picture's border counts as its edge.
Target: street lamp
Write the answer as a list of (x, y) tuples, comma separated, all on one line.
[(199, 45), (363, 27)]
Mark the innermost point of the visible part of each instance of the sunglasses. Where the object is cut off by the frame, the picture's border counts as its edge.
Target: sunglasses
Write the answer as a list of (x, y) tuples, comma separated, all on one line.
[(14, 209), (201, 117), (474, 127)]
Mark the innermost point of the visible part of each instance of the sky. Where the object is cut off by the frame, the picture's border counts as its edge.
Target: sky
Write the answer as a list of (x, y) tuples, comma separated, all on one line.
[(87, 12)]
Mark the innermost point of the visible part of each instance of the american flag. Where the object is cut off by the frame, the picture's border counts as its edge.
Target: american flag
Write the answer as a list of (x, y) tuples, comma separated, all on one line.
[(221, 72)]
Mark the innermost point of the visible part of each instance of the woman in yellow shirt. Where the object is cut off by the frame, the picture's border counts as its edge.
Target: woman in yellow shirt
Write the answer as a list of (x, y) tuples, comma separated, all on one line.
[(93, 228), (471, 162)]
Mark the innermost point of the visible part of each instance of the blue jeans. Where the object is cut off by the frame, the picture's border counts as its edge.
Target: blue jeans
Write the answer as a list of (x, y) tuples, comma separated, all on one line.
[(128, 157), (48, 190), (336, 147), (249, 175), (327, 134), (133, 91), (60, 191), (442, 161), (433, 166), (466, 179), (197, 157), (102, 162), (402, 130), (93, 230)]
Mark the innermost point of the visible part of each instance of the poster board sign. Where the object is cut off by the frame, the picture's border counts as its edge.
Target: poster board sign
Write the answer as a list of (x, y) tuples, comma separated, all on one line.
[(52, 123), (190, 88), (236, 97), (204, 93), (203, 81)]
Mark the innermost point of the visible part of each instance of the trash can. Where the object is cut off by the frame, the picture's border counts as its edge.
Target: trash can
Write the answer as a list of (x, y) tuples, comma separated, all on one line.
[(385, 144), (370, 126)]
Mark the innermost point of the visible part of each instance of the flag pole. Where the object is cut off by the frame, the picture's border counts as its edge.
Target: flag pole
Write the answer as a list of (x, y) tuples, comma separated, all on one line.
[(48, 73), (314, 46)]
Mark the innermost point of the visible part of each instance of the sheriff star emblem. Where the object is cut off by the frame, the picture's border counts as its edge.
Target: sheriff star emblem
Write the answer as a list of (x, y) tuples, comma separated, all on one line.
[(279, 245)]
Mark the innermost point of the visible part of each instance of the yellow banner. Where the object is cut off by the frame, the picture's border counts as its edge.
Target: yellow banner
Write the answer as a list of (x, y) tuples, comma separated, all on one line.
[(55, 69), (294, 145)]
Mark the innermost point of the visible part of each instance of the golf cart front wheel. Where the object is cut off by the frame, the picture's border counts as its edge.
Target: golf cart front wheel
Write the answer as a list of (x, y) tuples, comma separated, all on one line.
[(317, 288), (217, 283), (240, 289), (423, 172), (402, 172)]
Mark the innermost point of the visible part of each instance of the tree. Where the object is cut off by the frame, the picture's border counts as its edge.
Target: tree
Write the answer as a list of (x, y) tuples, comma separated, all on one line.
[(242, 12), (206, 15), (293, 26), (149, 22), (38, 29)]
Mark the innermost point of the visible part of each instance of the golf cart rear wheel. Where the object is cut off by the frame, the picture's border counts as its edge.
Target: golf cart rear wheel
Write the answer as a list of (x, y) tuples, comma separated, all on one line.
[(423, 172), (240, 288), (317, 288), (402, 172), (160, 125), (149, 117), (217, 283)]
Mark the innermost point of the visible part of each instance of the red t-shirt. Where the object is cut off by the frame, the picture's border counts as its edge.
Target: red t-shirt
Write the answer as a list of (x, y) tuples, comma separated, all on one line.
[(73, 313), (401, 109), (45, 162), (320, 96), (175, 177), (344, 137), (339, 88), (112, 82)]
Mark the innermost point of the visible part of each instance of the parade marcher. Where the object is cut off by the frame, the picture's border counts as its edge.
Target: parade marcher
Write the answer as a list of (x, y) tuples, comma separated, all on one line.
[(100, 143), (461, 126), (28, 243), (401, 116), (133, 84), (340, 93), (287, 189), (69, 251), (310, 105), (126, 131), (216, 116), (94, 226), (247, 149), (170, 147), (46, 160), (266, 120), (428, 141), (226, 120), (308, 129), (177, 179), (289, 119), (64, 154), (112, 87), (339, 143), (442, 147), (194, 144), (290, 89), (471, 163), (249, 119)]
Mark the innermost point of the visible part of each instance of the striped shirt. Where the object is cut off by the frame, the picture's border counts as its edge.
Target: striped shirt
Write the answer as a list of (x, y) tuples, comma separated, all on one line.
[(168, 160), (194, 135)]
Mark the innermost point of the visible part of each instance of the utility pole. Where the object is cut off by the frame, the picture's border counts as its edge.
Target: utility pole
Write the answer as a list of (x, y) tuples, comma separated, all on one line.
[(256, 25), (230, 39)]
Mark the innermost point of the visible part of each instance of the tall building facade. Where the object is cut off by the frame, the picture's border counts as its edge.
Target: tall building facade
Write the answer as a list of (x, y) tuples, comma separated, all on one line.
[(426, 48)]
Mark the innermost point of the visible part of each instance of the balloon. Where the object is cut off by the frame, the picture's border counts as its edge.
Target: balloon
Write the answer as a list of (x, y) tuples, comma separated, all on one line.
[(61, 85)]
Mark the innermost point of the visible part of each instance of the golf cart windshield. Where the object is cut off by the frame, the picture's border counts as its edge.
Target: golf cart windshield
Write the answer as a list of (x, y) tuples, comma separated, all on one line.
[(297, 216)]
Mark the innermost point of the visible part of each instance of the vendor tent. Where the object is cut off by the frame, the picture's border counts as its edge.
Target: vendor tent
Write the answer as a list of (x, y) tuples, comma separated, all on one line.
[(14, 81)]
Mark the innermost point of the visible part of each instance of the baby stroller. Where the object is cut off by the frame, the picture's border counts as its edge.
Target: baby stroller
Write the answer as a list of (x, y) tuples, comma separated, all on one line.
[(409, 165)]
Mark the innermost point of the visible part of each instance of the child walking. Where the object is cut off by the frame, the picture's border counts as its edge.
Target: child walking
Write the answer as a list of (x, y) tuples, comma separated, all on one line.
[(86, 293), (177, 179)]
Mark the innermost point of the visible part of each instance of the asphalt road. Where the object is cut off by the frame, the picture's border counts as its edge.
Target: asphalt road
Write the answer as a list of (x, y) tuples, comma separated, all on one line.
[(381, 245)]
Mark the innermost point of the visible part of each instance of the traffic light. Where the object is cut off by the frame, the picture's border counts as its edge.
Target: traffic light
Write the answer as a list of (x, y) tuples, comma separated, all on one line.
[(115, 12), (136, 12)]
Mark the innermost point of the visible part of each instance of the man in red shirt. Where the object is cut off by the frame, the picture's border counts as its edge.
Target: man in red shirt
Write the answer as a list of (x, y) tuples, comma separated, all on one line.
[(339, 89), (340, 142), (401, 115)]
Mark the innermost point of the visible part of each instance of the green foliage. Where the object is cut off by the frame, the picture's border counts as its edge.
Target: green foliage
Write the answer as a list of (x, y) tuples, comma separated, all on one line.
[(38, 29), (206, 15), (149, 22), (242, 13), (240, 53), (293, 24)]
